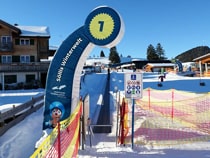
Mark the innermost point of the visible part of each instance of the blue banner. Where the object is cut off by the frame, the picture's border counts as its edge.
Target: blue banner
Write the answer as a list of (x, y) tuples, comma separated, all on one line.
[(103, 27)]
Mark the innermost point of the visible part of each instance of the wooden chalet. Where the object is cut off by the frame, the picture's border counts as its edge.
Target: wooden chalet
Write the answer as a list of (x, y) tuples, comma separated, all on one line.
[(21, 51), (204, 64)]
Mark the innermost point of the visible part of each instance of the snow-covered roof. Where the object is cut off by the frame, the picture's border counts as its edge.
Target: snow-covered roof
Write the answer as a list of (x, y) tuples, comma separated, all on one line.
[(161, 64), (34, 31), (139, 59), (101, 60), (126, 65)]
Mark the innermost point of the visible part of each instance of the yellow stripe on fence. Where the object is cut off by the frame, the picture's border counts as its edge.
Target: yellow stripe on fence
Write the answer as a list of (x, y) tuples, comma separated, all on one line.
[(173, 116), (70, 150), (49, 141)]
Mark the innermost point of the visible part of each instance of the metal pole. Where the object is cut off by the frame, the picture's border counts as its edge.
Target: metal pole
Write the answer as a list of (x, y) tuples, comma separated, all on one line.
[(89, 130), (172, 110), (59, 140), (122, 121), (149, 96), (83, 125), (132, 122), (117, 104)]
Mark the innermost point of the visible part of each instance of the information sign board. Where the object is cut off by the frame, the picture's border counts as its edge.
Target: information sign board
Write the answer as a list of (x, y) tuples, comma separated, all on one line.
[(133, 85)]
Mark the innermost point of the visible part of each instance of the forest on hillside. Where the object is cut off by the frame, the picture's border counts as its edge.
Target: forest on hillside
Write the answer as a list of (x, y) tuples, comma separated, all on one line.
[(193, 53)]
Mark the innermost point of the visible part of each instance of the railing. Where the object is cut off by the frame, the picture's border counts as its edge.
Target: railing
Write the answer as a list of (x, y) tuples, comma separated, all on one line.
[(6, 46), (25, 67), (17, 114)]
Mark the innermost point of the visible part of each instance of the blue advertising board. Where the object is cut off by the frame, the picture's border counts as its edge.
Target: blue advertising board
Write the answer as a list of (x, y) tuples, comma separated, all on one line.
[(103, 27)]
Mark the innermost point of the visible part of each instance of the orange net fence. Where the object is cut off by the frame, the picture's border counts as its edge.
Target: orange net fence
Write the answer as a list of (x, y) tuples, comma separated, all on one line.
[(69, 138), (171, 117)]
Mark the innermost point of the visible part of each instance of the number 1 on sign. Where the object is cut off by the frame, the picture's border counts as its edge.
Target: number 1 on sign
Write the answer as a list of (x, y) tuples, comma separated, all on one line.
[(101, 23)]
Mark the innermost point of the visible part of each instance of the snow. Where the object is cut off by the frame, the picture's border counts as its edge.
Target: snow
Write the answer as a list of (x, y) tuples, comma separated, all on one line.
[(15, 98), (161, 64), (20, 140), (98, 61), (34, 31)]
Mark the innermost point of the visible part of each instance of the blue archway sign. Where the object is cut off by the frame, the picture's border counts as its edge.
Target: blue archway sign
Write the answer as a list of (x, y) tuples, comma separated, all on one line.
[(103, 27)]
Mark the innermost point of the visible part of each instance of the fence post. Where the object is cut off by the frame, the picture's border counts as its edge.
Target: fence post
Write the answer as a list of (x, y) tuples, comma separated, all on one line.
[(149, 96), (117, 106), (122, 116), (83, 124), (132, 133), (1, 121), (59, 140), (172, 108), (13, 106), (89, 130)]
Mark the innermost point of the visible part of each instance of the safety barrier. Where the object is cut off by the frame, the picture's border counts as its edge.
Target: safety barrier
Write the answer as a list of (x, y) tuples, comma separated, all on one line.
[(169, 117), (16, 114), (69, 138), (124, 122)]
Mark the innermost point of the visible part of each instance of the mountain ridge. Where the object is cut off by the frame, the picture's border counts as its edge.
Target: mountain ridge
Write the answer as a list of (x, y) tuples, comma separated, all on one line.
[(193, 53)]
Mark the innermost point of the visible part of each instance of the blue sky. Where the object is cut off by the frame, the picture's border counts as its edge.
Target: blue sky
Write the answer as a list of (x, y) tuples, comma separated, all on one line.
[(178, 25)]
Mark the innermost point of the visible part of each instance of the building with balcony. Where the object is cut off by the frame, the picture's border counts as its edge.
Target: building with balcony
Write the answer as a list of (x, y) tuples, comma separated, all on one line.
[(22, 49), (204, 64)]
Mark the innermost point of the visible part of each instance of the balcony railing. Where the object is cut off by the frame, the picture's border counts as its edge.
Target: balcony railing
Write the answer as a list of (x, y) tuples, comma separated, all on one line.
[(6, 46), (25, 67)]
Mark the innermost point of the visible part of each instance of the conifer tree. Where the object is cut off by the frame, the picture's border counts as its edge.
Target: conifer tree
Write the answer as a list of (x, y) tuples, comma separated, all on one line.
[(114, 56), (151, 53)]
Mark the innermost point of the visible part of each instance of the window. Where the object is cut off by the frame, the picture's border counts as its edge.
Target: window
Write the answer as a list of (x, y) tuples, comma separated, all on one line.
[(6, 42), (6, 39), (30, 78), (31, 41), (6, 59), (24, 41), (25, 59), (10, 79)]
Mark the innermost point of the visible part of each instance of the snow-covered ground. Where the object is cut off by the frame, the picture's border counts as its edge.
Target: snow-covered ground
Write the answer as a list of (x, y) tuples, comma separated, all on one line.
[(19, 141)]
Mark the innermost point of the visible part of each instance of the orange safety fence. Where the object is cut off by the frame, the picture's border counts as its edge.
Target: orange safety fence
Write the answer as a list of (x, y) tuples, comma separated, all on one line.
[(124, 122), (165, 117), (69, 138)]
